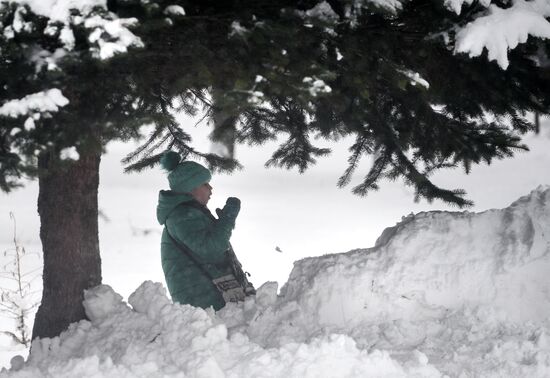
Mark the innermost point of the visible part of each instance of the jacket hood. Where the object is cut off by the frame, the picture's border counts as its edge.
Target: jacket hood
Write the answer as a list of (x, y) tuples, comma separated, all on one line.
[(168, 200)]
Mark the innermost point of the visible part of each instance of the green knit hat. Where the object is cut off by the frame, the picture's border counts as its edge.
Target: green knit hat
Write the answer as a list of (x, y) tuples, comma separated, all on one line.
[(186, 175)]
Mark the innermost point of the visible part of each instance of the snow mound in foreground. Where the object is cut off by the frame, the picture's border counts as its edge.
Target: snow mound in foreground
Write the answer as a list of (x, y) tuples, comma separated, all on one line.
[(156, 338), (440, 294)]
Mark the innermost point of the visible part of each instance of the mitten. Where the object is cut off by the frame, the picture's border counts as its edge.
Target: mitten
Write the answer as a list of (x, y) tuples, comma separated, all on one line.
[(230, 210)]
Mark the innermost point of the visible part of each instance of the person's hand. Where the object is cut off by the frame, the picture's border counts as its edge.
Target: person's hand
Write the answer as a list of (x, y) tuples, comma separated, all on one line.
[(231, 208)]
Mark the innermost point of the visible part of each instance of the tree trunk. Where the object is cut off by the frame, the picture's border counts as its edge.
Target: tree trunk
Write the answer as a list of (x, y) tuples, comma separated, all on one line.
[(225, 125), (68, 209)]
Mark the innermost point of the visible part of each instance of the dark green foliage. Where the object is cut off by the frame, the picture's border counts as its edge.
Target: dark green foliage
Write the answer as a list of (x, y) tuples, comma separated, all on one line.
[(250, 66)]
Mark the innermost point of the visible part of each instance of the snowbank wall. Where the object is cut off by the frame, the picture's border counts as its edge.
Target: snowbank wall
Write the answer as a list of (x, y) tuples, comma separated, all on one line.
[(435, 262)]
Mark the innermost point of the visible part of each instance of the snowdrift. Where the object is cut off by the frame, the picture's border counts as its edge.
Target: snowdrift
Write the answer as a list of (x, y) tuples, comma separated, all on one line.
[(441, 293)]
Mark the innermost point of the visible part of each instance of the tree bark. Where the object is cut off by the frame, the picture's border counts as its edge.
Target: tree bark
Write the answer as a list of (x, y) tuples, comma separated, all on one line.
[(225, 125), (68, 209)]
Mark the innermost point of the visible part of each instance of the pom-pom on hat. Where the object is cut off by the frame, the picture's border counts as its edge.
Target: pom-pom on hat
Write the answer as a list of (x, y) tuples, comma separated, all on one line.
[(184, 176)]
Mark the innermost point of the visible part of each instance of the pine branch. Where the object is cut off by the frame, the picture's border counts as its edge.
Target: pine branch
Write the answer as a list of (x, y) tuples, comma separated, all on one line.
[(206, 115), (259, 125), (135, 154), (143, 163), (357, 150), (199, 95), (424, 188), (158, 145), (221, 164), (296, 152), (188, 103), (370, 182)]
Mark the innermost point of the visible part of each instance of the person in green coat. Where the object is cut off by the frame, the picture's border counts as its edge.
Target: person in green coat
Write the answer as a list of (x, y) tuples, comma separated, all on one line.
[(189, 224)]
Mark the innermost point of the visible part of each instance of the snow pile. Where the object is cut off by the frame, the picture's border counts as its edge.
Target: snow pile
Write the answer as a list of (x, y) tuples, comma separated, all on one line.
[(159, 339), (436, 261), (469, 291), (457, 294)]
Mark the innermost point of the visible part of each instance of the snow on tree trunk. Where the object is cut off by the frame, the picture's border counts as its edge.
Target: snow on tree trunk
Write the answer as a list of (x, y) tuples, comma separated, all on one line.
[(68, 209)]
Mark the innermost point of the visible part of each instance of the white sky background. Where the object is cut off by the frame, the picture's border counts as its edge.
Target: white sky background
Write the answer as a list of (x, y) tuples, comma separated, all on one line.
[(303, 215)]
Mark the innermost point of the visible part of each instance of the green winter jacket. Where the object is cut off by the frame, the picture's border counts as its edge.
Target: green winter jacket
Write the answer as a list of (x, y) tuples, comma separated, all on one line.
[(208, 239)]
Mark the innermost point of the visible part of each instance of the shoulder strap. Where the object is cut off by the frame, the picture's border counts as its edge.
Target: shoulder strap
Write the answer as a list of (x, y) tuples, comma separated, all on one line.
[(236, 265), (187, 251), (195, 204)]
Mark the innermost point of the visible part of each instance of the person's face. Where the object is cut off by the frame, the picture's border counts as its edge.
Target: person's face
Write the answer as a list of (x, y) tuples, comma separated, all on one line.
[(202, 193)]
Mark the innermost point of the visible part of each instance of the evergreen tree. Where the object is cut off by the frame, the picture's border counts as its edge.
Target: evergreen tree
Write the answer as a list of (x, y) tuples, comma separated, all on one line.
[(388, 73)]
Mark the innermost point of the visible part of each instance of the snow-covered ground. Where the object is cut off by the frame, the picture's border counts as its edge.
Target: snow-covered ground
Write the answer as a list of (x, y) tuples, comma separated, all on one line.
[(456, 294)]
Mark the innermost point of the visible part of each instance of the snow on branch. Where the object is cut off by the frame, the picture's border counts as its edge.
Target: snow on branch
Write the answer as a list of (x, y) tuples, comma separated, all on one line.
[(496, 29), (503, 29), (415, 78), (322, 11), (392, 6), (316, 86), (60, 10), (109, 34), (456, 5), (174, 10), (46, 101)]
